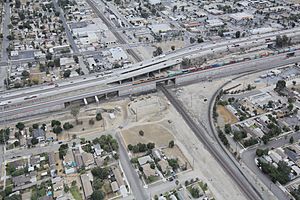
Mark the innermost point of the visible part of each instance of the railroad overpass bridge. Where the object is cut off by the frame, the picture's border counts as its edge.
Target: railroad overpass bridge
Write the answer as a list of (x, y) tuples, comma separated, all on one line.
[(101, 92)]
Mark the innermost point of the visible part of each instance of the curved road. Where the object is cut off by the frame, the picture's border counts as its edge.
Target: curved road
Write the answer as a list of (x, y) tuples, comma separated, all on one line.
[(229, 167)]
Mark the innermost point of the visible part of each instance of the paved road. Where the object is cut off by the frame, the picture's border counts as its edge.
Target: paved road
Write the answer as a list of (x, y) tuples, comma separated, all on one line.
[(135, 182), (5, 30), (248, 157), (222, 159), (200, 49), (56, 99), (111, 27), (67, 30)]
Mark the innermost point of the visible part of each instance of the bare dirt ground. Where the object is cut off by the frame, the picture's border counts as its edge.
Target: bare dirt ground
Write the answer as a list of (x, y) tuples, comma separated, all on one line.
[(209, 170), (225, 117), (175, 152), (166, 45), (86, 113), (189, 147), (152, 133), (59, 166)]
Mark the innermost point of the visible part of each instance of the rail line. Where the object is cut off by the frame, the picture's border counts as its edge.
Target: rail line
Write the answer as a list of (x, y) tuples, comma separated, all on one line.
[(244, 184)]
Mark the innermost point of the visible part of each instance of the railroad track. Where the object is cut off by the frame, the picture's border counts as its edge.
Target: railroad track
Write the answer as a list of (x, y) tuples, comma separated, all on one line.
[(247, 188)]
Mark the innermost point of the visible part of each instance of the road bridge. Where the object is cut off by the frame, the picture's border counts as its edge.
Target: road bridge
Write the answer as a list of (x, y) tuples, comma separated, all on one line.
[(58, 99)]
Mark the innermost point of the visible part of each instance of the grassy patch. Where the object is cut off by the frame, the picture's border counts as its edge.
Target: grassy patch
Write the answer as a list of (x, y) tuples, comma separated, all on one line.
[(75, 193), (152, 179), (203, 185)]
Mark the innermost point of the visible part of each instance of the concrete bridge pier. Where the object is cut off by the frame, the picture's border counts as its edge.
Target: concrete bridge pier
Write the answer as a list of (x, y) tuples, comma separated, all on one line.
[(97, 99), (85, 101)]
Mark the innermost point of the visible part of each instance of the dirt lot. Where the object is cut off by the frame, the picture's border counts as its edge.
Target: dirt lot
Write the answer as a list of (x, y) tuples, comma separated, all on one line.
[(166, 45), (152, 133), (59, 166), (86, 113), (225, 117), (148, 108), (175, 152)]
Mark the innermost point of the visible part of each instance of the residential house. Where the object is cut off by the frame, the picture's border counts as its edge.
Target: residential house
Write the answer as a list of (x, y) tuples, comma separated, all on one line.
[(148, 171), (144, 160), (88, 159), (164, 166), (39, 134), (52, 164), (24, 179), (69, 163), (98, 150), (114, 186), (87, 186)]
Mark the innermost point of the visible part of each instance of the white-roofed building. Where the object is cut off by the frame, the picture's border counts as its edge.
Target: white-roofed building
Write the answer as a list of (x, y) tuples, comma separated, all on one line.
[(214, 23), (160, 28), (275, 156), (154, 2), (144, 160), (118, 54), (241, 16)]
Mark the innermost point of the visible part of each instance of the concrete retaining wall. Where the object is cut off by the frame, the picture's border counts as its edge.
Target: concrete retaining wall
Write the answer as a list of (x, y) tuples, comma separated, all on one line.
[(33, 112), (137, 89), (190, 77)]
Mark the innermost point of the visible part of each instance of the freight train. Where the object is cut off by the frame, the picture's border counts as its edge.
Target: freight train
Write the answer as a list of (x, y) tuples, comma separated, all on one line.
[(172, 73)]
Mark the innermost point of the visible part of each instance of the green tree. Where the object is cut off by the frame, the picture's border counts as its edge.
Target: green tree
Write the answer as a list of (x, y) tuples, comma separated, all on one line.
[(141, 133), (158, 51), (152, 165), (49, 56), (238, 34), (171, 144), (227, 128), (25, 74), (290, 106), (98, 194), (261, 152), (192, 40), (173, 163), (76, 59), (67, 73), (34, 141), (195, 192), (20, 126), (291, 140), (67, 126), (200, 40), (4, 135), (101, 173), (98, 116), (35, 126), (57, 129), (117, 2), (280, 85), (63, 149), (57, 62), (130, 147), (13, 197), (75, 112), (151, 145)]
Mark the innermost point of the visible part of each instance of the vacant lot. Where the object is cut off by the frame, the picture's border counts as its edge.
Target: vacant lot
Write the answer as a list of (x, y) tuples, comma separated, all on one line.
[(152, 133), (59, 166), (175, 152), (226, 116)]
